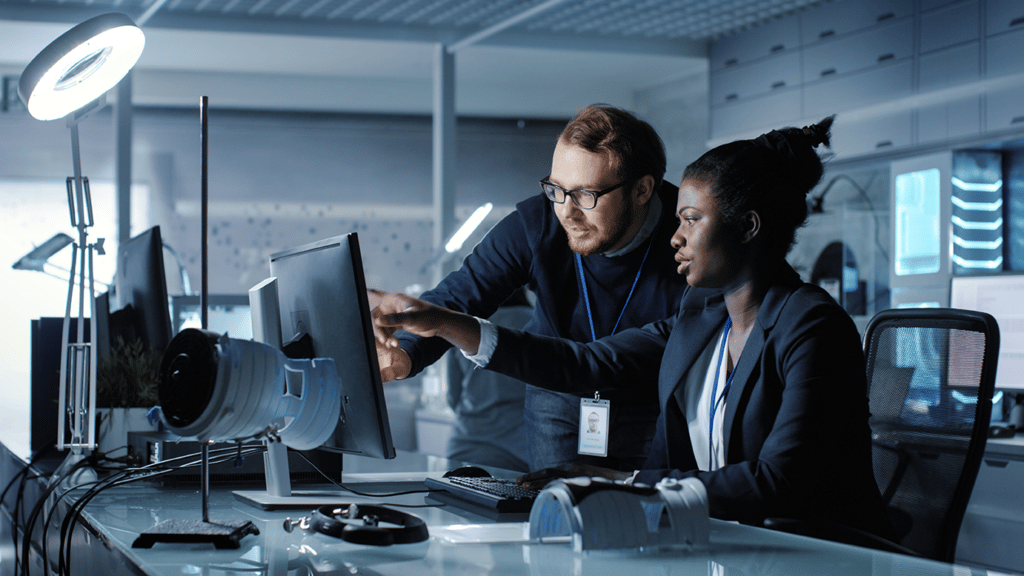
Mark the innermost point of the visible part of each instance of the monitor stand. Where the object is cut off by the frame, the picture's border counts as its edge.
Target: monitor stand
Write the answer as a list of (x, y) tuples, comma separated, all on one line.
[(410, 484), (279, 494), (300, 500)]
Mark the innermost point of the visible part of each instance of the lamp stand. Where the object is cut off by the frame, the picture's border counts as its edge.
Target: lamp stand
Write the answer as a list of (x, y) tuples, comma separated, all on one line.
[(77, 395)]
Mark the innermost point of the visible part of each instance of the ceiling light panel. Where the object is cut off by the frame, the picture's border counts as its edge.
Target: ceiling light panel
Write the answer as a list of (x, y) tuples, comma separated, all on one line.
[(667, 19)]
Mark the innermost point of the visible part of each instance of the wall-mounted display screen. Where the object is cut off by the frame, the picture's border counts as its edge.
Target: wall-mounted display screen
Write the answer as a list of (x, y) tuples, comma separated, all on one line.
[(917, 223)]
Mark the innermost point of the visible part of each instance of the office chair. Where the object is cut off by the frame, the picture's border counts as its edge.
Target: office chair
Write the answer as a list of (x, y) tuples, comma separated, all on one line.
[(931, 374)]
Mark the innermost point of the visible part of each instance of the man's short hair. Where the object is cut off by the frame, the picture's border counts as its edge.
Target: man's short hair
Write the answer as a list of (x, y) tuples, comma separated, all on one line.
[(634, 143)]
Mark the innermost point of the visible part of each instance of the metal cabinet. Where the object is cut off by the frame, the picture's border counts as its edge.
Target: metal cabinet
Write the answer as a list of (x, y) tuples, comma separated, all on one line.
[(932, 4), (740, 82), (1003, 16), (1002, 54), (949, 120), (757, 43), (872, 134), (833, 20), (859, 90), (953, 65), (949, 26), (749, 116), (950, 67), (1004, 108), (859, 51)]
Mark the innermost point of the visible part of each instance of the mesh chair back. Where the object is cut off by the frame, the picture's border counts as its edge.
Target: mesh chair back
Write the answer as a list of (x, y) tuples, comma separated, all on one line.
[(930, 378)]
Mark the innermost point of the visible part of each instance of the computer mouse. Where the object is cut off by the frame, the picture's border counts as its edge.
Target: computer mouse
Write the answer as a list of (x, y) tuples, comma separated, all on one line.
[(468, 472)]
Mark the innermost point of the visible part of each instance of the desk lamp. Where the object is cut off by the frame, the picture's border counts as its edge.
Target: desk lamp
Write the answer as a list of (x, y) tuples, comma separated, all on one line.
[(38, 259), (70, 78)]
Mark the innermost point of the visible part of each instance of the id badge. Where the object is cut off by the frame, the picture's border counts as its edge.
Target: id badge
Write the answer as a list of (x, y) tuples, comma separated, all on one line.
[(594, 426)]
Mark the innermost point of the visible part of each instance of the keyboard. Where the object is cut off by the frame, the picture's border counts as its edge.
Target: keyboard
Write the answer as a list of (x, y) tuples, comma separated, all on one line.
[(495, 493)]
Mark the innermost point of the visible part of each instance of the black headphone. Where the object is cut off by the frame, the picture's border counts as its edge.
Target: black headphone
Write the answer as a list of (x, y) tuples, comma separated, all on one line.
[(337, 523)]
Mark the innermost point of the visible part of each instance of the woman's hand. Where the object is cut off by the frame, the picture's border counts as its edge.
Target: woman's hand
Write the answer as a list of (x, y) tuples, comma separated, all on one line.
[(400, 312), (540, 478)]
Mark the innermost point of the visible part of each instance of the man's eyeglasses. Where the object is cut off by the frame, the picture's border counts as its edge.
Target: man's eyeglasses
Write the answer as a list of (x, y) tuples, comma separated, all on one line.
[(585, 199)]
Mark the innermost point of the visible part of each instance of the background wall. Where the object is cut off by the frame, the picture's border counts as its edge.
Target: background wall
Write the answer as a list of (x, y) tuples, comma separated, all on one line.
[(279, 180)]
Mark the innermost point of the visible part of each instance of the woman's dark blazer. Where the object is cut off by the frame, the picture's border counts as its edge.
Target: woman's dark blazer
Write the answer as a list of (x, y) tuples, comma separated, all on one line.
[(796, 422)]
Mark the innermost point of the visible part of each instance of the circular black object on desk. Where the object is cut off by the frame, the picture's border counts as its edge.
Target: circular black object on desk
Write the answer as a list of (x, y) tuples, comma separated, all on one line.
[(360, 524)]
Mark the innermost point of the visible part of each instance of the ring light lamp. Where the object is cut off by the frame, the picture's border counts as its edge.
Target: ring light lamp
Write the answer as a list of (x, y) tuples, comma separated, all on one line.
[(72, 74), (80, 65)]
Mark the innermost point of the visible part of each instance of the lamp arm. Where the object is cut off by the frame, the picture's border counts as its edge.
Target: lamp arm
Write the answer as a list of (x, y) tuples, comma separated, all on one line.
[(186, 285)]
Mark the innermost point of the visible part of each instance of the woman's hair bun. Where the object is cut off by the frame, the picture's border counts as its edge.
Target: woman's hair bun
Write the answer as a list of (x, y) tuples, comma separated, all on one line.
[(820, 133)]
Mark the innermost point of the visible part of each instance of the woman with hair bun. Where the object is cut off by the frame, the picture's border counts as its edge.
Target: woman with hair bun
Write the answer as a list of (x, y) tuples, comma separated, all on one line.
[(761, 376)]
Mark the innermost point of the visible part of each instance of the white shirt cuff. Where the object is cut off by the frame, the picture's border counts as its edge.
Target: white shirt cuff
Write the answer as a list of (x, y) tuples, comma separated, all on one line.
[(488, 342)]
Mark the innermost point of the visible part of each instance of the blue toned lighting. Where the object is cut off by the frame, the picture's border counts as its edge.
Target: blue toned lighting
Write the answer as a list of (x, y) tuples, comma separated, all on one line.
[(917, 223), (963, 398), (966, 225), (977, 215), (978, 206), (977, 186), (851, 280), (978, 244), (978, 264)]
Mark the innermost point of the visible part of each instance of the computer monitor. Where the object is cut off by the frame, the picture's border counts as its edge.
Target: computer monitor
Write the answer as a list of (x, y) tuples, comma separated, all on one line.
[(141, 284), (322, 293), (1002, 296)]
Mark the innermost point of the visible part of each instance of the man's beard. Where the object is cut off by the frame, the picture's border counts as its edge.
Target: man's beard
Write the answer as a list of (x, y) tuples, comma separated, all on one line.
[(592, 245)]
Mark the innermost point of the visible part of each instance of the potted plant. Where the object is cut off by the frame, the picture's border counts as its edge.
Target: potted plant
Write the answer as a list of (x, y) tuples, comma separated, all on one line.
[(126, 390)]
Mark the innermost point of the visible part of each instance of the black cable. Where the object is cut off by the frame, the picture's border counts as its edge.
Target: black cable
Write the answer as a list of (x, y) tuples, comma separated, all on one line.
[(120, 479), (56, 504), (97, 457), (125, 477), (45, 552), (19, 510), (23, 473), (33, 518), (36, 510), (224, 455), (70, 519), (3, 495), (18, 502), (56, 483)]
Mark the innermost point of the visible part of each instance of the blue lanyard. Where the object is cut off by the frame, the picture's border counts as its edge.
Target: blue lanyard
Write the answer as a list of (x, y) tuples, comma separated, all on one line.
[(586, 295), (714, 393)]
